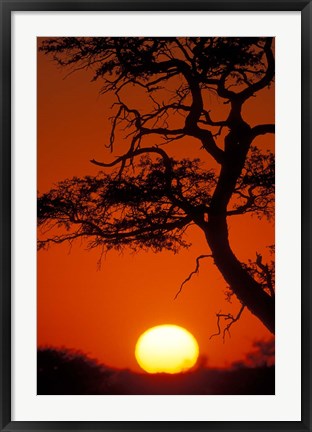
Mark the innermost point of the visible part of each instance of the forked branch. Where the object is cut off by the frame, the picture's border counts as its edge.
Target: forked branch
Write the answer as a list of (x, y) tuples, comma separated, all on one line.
[(227, 317)]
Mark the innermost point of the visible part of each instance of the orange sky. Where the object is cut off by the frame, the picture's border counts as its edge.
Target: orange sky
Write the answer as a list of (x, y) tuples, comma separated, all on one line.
[(103, 312)]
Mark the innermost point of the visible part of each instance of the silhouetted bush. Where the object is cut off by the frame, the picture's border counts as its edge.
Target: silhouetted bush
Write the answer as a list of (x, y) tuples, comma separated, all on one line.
[(65, 372)]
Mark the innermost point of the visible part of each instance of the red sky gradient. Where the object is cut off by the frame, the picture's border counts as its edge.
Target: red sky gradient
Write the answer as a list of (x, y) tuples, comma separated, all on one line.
[(102, 312)]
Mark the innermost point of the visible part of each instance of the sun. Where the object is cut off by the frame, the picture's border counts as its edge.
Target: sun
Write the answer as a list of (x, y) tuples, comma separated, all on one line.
[(166, 348)]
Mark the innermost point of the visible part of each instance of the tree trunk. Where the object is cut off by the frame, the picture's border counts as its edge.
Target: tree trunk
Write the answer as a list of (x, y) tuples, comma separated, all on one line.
[(247, 290)]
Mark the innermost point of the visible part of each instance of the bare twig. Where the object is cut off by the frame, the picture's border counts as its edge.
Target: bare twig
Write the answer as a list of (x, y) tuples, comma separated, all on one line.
[(192, 273), (267, 274), (227, 317)]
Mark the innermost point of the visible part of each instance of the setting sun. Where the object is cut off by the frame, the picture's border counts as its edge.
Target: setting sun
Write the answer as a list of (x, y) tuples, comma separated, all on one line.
[(166, 348)]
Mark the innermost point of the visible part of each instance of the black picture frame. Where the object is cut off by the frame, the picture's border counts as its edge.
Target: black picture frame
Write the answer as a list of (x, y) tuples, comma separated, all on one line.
[(7, 7)]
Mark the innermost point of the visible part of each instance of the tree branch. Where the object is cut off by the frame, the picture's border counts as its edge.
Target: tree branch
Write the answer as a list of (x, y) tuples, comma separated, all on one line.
[(267, 274), (227, 317), (262, 130), (133, 153), (200, 257), (267, 78)]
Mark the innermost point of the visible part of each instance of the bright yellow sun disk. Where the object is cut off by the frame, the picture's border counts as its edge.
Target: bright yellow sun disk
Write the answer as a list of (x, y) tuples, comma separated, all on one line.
[(166, 348)]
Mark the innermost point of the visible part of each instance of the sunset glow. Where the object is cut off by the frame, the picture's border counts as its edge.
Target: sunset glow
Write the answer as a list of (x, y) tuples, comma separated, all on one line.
[(96, 295), (166, 348)]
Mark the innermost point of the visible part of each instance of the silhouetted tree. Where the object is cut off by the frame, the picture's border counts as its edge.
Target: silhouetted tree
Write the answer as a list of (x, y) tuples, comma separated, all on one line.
[(151, 199), (63, 371)]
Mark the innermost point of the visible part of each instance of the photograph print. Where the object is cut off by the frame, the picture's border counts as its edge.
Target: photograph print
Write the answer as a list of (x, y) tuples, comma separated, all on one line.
[(155, 212)]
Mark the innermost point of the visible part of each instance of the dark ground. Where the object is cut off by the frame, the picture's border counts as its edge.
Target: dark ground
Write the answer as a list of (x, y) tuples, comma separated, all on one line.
[(63, 372)]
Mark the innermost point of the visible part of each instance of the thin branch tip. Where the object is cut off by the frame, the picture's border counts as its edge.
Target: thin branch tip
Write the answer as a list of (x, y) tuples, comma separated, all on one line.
[(192, 273)]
